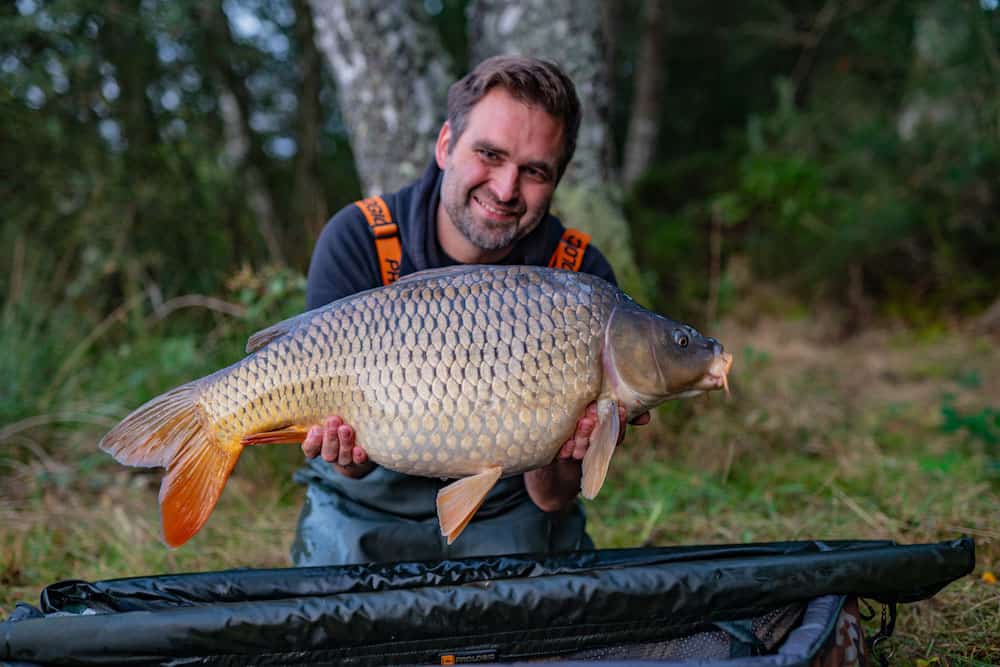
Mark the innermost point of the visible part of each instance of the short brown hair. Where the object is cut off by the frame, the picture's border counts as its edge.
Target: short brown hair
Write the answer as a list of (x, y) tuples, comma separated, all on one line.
[(533, 81)]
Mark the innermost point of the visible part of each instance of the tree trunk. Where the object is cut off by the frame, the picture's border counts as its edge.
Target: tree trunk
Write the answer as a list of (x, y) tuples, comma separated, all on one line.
[(308, 205), (644, 123), (392, 77), (569, 33), (939, 35)]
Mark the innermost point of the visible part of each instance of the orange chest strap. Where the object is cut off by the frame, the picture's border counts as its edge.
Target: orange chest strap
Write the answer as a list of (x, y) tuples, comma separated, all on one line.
[(568, 255), (569, 252), (386, 233)]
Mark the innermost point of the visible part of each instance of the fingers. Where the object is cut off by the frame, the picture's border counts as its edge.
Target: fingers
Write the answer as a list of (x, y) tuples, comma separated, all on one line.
[(576, 446), (584, 429), (566, 451), (360, 456), (345, 435), (331, 441), (313, 443), (318, 439), (335, 442)]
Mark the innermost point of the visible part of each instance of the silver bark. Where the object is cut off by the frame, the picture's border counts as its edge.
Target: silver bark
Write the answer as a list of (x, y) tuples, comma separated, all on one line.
[(392, 77), (644, 123), (570, 34), (940, 33)]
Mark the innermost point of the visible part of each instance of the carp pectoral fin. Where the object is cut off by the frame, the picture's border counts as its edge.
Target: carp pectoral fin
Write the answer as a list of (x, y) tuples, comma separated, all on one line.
[(603, 441), (458, 502), (290, 434)]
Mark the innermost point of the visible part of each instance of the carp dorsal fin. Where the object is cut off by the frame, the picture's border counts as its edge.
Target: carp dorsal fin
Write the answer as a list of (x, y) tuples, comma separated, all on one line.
[(603, 441), (265, 336), (458, 502)]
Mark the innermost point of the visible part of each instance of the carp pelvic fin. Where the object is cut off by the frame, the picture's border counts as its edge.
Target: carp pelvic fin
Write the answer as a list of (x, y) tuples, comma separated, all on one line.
[(603, 441), (290, 434), (458, 502), (168, 432)]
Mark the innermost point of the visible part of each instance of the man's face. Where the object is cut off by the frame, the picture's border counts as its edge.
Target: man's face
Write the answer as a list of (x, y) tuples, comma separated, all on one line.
[(500, 175)]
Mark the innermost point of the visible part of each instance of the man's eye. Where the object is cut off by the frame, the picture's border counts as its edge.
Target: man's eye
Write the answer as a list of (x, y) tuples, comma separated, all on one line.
[(488, 154)]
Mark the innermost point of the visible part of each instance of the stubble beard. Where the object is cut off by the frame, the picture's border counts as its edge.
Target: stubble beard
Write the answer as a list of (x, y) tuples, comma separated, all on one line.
[(484, 234)]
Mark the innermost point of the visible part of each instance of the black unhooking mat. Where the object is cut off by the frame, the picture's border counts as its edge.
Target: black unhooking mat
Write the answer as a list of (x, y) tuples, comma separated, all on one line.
[(581, 606)]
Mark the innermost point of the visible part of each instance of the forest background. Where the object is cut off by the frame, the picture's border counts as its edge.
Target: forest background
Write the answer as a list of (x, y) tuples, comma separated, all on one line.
[(816, 183)]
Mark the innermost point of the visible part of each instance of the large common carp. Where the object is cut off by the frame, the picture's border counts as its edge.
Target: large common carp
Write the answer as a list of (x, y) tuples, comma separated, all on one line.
[(470, 372)]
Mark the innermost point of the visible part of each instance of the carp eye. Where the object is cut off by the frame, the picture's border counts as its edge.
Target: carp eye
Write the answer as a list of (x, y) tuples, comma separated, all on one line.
[(680, 338)]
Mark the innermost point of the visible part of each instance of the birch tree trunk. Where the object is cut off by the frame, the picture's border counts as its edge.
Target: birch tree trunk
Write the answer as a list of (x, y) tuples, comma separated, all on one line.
[(392, 77), (644, 123), (569, 33), (939, 34)]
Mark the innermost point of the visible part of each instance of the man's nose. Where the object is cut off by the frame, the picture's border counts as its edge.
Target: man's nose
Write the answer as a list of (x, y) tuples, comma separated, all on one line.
[(506, 183)]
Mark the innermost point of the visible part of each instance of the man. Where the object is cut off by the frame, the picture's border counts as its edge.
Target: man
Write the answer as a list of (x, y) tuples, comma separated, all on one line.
[(510, 133)]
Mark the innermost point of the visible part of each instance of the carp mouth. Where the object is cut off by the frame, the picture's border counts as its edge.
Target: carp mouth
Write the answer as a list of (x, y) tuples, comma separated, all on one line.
[(717, 375)]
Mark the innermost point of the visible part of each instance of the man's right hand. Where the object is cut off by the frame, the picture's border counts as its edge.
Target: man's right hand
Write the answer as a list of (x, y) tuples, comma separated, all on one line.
[(334, 440)]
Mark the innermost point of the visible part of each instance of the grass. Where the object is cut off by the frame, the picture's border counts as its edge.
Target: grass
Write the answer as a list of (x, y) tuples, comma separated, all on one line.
[(885, 435)]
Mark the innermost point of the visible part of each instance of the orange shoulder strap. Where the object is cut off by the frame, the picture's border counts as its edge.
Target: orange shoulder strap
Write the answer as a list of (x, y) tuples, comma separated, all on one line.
[(387, 245), (569, 252)]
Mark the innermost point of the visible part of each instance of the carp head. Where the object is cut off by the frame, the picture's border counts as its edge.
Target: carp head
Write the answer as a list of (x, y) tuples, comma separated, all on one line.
[(650, 358)]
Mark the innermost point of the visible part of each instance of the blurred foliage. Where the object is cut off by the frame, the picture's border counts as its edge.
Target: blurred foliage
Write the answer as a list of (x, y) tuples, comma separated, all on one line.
[(981, 427), (869, 179)]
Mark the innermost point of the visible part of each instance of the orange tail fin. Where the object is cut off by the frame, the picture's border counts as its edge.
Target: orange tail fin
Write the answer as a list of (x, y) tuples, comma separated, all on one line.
[(169, 432)]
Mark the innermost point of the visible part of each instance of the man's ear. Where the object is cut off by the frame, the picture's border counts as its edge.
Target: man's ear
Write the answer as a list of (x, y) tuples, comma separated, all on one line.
[(441, 148)]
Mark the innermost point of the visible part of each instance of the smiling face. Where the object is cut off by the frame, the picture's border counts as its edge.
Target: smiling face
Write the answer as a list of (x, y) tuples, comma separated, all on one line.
[(499, 176)]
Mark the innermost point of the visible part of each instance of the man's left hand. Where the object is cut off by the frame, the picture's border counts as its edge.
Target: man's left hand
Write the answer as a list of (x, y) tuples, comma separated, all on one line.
[(576, 447), (554, 487)]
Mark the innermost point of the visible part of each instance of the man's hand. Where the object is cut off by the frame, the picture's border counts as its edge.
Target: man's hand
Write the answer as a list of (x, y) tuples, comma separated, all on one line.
[(555, 486), (334, 440), (576, 447)]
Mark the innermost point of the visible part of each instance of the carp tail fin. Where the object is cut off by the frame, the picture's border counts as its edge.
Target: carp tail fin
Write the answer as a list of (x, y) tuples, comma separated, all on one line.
[(169, 432), (458, 502), (603, 441)]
